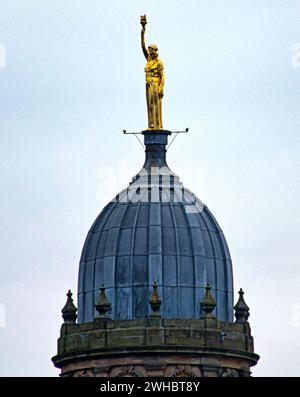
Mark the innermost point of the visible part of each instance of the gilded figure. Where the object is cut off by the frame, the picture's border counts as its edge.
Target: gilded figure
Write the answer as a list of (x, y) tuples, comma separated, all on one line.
[(155, 79)]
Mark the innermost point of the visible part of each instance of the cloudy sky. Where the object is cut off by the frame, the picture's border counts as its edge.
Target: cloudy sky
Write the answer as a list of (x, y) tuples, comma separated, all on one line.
[(71, 78)]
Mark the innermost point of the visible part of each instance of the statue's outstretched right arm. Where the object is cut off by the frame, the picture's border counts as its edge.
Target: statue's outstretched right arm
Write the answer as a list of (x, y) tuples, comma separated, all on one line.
[(143, 23), (145, 52)]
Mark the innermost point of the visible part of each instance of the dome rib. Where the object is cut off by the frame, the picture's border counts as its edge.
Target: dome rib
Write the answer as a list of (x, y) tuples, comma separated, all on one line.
[(215, 284), (193, 256), (177, 255), (127, 286), (132, 250)]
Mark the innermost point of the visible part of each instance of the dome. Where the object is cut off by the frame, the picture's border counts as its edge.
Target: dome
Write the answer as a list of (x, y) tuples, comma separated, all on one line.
[(155, 230)]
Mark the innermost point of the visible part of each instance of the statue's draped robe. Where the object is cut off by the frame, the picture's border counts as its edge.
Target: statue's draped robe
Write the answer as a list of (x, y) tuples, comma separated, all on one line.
[(154, 70)]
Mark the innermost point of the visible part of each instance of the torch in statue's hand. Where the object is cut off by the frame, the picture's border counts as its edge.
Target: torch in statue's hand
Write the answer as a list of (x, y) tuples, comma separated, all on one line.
[(143, 22)]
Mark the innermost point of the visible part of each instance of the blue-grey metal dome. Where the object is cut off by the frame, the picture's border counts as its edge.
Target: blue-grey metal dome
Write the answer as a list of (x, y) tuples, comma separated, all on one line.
[(155, 230)]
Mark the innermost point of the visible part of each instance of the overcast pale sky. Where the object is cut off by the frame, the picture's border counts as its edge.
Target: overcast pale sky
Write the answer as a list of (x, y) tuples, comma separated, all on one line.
[(71, 78)]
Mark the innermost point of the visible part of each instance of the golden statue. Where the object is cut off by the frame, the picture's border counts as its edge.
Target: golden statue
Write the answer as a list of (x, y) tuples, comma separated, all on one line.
[(155, 80)]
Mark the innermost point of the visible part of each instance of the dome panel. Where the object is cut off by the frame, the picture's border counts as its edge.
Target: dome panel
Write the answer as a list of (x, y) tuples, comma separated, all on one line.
[(143, 215), (102, 243), (184, 240), (167, 219), (186, 275), (140, 241), (124, 243), (168, 241), (140, 270)]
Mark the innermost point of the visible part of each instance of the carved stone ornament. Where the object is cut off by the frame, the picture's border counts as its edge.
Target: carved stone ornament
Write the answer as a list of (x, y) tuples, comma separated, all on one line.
[(86, 373), (229, 373), (183, 371), (128, 371)]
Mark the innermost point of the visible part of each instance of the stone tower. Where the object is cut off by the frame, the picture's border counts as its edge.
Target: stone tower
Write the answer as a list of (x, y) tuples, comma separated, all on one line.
[(155, 287)]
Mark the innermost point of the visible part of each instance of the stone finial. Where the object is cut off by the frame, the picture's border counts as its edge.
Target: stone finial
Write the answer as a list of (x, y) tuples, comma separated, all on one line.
[(241, 309), (69, 310), (155, 301), (208, 303), (102, 305)]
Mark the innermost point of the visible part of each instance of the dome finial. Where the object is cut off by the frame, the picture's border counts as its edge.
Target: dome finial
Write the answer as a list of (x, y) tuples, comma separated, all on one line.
[(69, 310), (103, 305), (241, 309), (155, 301), (208, 303)]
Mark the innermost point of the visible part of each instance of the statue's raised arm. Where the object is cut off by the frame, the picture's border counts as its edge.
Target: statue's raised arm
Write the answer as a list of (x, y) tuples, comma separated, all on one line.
[(144, 23)]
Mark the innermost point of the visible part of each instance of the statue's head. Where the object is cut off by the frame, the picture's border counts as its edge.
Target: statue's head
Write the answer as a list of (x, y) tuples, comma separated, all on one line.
[(153, 51)]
